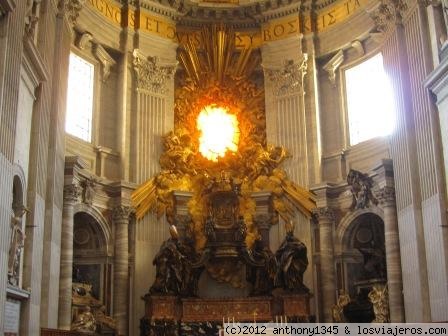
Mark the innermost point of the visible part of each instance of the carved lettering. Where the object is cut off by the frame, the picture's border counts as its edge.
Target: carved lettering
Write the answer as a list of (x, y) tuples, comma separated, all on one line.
[(170, 32), (279, 30), (148, 24), (180, 37), (351, 6), (100, 8), (251, 37), (132, 19), (266, 35), (109, 11), (307, 25), (292, 27), (328, 19), (239, 41), (117, 17)]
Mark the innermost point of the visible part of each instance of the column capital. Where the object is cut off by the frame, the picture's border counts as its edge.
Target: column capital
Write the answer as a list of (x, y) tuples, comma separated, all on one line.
[(152, 74), (122, 212), (287, 78), (71, 193), (324, 214), (71, 8), (386, 196)]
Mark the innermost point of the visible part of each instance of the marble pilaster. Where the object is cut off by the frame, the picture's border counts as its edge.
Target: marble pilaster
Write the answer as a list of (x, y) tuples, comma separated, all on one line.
[(285, 69), (386, 197), (71, 195), (154, 64), (325, 218), (121, 267)]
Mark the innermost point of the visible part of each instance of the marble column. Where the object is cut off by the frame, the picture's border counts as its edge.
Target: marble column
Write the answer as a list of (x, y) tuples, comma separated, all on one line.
[(386, 197), (121, 268), (71, 194), (325, 219)]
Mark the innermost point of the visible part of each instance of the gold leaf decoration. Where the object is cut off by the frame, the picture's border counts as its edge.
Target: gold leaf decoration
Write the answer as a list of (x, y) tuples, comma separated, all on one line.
[(220, 75)]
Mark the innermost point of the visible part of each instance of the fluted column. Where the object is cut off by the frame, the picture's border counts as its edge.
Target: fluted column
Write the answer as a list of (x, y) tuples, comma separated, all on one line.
[(325, 218), (71, 194), (121, 268), (386, 197)]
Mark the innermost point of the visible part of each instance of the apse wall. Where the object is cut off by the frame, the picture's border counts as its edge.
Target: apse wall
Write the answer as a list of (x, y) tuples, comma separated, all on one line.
[(311, 122), (307, 48)]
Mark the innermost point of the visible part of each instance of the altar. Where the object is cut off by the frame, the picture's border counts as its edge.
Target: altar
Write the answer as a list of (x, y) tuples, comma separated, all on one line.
[(183, 296), (250, 309)]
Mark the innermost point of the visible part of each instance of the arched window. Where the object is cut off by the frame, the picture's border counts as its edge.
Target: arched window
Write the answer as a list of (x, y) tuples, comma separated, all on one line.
[(78, 120), (370, 107)]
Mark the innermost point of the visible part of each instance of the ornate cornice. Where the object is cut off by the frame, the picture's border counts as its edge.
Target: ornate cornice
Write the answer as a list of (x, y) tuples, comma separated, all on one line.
[(151, 74), (324, 213), (122, 212), (386, 196), (193, 13), (289, 78), (72, 193)]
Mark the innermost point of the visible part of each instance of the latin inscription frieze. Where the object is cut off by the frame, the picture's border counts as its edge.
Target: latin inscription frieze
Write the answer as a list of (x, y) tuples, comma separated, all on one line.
[(271, 31)]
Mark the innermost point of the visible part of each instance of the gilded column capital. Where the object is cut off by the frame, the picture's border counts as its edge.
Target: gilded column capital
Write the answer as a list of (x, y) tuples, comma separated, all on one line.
[(324, 214), (72, 193), (122, 213), (151, 74), (288, 78), (386, 196)]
